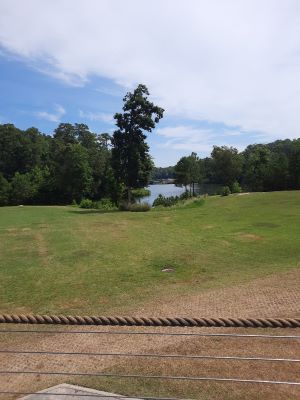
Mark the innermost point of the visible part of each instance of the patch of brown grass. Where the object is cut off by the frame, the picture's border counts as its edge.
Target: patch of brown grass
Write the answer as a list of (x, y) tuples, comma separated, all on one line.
[(248, 237)]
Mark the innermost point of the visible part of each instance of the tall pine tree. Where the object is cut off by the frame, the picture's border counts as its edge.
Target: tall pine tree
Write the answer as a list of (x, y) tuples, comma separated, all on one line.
[(131, 160)]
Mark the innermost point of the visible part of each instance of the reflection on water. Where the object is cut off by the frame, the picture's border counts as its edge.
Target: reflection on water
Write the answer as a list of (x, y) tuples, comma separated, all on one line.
[(166, 190)]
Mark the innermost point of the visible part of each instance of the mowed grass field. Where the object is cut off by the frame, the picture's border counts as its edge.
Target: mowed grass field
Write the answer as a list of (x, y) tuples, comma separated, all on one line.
[(231, 256), (68, 260)]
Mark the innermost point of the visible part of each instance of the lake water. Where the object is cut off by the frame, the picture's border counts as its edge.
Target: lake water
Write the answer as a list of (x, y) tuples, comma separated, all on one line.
[(166, 190)]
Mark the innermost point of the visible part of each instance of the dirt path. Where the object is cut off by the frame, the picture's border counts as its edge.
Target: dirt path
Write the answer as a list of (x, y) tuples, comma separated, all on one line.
[(272, 296)]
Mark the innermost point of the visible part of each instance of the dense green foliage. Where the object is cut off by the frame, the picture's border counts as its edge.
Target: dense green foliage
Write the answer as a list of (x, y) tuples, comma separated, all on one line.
[(236, 187), (103, 204), (189, 171), (165, 201), (171, 200), (162, 173), (38, 169), (225, 191), (269, 167), (227, 164), (131, 160), (75, 163)]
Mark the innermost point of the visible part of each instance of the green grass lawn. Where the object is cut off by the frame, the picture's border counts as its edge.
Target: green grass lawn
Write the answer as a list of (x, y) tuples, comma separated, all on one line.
[(67, 260)]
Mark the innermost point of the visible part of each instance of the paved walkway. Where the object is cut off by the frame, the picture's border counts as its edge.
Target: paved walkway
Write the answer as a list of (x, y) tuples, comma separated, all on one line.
[(81, 393)]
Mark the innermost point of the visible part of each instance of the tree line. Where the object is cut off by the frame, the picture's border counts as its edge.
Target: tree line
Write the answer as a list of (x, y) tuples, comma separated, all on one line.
[(260, 167), (42, 169), (161, 173), (75, 163)]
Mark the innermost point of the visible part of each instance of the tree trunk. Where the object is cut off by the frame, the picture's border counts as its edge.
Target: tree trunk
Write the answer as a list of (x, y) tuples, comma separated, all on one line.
[(129, 195)]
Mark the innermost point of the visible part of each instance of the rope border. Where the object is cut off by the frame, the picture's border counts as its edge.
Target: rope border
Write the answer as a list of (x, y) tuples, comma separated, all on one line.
[(151, 321)]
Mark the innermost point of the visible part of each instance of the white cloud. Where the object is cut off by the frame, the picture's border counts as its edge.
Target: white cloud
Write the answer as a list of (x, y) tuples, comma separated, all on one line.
[(232, 61), (184, 132), (97, 116), (52, 116), (189, 138)]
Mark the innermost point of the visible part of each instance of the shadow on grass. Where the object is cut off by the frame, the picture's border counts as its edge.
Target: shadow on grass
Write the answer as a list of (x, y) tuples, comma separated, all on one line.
[(82, 211)]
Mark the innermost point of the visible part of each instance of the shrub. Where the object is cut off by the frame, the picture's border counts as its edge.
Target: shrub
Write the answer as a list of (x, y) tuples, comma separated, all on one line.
[(236, 187), (86, 203), (103, 204), (159, 201), (165, 201), (185, 195), (172, 200), (225, 191)]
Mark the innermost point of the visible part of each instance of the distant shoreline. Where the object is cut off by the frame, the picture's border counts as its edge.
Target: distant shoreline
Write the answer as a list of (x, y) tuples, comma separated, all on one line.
[(163, 182)]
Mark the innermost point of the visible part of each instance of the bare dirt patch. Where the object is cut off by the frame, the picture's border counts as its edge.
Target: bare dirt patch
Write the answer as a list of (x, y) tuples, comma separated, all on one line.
[(266, 225), (274, 296), (248, 237), (12, 230), (209, 226), (42, 248)]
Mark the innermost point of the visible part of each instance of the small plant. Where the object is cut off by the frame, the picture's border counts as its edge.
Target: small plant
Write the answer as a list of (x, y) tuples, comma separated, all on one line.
[(74, 203), (185, 195), (236, 187), (103, 204), (86, 203), (225, 191)]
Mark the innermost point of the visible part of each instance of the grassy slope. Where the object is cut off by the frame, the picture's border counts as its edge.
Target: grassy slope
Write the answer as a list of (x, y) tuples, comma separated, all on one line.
[(61, 259)]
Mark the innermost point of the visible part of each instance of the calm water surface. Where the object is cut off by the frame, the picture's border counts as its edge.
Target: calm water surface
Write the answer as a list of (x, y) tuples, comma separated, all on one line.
[(165, 190)]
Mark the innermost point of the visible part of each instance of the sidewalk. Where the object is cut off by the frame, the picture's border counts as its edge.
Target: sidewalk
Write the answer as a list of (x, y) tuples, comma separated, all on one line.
[(80, 393)]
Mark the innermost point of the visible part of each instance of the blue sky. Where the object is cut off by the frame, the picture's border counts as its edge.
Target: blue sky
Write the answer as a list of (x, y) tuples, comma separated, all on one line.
[(226, 72)]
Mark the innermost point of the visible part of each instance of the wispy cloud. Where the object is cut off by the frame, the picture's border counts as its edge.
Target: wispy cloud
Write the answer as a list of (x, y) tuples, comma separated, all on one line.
[(52, 116), (110, 90), (189, 138), (97, 116)]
